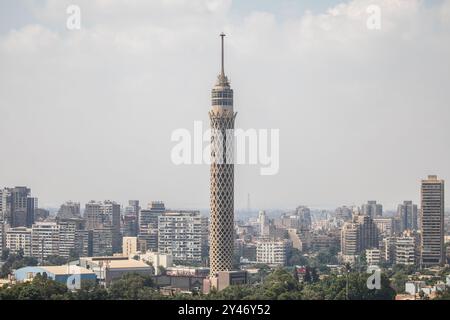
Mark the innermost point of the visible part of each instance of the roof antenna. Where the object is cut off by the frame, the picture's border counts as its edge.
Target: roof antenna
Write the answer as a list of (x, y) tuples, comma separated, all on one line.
[(222, 35)]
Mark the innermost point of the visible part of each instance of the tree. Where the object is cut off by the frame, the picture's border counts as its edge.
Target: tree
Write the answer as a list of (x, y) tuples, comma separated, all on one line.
[(14, 262), (307, 276), (130, 287), (295, 258), (73, 255), (399, 280), (162, 270), (38, 289), (296, 277), (314, 275), (5, 254), (89, 290), (55, 260), (263, 271)]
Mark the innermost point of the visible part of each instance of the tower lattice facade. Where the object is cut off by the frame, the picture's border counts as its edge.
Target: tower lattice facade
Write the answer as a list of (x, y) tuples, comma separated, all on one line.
[(222, 119)]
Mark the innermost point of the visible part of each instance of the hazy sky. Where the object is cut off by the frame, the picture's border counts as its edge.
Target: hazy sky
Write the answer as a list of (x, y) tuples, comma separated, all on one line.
[(363, 114)]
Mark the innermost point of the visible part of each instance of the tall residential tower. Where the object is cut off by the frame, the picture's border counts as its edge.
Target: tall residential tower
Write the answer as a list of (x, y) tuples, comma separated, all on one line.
[(432, 222), (222, 119)]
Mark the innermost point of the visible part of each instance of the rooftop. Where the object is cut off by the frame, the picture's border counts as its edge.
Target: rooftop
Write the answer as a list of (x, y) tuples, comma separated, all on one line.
[(117, 263)]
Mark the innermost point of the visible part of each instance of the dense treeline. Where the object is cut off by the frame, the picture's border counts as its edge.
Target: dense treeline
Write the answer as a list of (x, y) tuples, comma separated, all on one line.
[(279, 285)]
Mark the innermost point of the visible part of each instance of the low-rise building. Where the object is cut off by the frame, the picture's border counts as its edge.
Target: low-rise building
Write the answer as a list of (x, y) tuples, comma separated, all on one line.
[(56, 273), (157, 260), (109, 269)]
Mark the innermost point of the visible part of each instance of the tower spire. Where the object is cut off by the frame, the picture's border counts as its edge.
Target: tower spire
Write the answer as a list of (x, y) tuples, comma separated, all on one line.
[(222, 35)]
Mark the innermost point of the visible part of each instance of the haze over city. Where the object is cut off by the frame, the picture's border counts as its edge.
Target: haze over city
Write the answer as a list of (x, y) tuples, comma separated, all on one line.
[(88, 114)]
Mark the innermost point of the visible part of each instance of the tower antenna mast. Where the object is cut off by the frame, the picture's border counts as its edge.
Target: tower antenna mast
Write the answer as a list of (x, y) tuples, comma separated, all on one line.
[(222, 35)]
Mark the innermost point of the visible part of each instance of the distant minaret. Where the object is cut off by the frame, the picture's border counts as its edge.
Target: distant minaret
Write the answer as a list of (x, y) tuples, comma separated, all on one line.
[(222, 119)]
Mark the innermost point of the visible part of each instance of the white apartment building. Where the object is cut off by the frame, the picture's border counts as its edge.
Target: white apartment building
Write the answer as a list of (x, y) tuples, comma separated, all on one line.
[(180, 234), (19, 239), (406, 249), (271, 252), (44, 239), (373, 257)]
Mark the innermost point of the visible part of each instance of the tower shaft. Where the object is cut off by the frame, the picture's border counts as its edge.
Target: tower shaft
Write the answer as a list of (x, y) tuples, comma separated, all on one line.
[(222, 118)]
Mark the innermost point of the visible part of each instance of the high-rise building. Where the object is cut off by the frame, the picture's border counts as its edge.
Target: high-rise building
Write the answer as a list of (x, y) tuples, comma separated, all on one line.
[(300, 219), (304, 214), (148, 225), (407, 213), (129, 246), (432, 222), (262, 221), (69, 210), (72, 241), (384, 226), (358, 235), (406, 248), (205, 237), (222, 118), (180, 234), (372, 209), (44, 240), (19, 239), (130, 219), (2, 233), (344, 213), (368, 232), (388, 249), (112, 215), (133, 208), (102, 241), (350, 241), (272, 252), (129, 225), (83, 242), (106, 215), (17, 207), (93, 214)]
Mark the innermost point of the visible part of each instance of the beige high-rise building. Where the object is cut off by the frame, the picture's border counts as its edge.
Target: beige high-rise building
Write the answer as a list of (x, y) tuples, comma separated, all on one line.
[(356, 236), (432, 222), (350, 238), (222, 119), (129, 246)]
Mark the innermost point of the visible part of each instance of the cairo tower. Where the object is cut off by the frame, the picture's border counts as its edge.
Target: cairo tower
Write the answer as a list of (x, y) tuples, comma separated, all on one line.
[(222, 119)]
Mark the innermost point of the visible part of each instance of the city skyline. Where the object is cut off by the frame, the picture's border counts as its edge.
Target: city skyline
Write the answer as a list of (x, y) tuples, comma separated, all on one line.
[(88, 121), (324, 139)]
